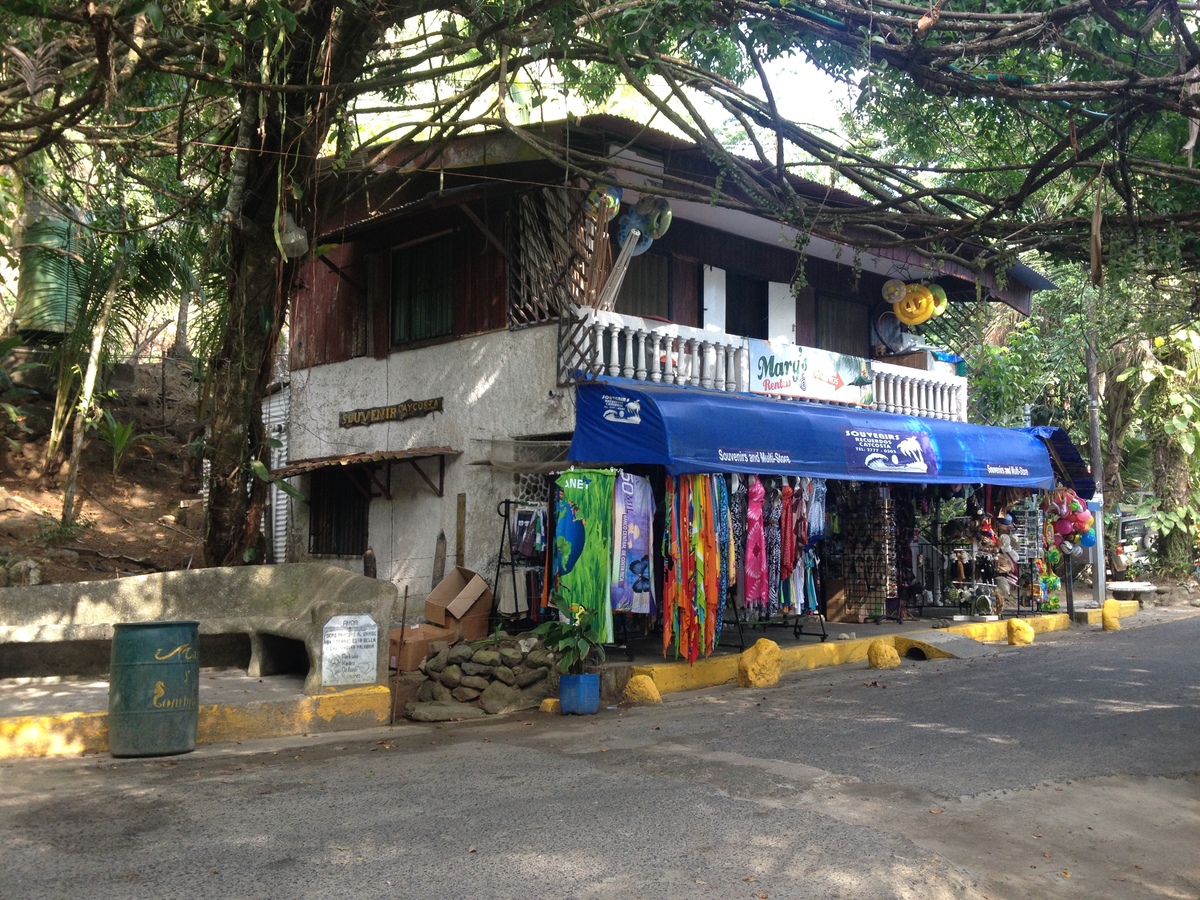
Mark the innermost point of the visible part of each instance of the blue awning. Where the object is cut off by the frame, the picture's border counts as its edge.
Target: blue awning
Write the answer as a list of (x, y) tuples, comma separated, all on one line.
[(1067, 460), (624, 422)]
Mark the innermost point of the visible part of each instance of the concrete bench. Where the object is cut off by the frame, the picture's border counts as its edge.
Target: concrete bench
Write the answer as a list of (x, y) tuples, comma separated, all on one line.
[(1132, 590), (283, 610)]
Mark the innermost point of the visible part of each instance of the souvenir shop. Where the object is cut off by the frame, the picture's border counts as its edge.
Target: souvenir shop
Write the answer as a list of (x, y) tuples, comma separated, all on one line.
[(691, 511)]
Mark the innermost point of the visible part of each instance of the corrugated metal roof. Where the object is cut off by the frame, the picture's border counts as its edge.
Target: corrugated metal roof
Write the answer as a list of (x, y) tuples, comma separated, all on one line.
[(354, 459)]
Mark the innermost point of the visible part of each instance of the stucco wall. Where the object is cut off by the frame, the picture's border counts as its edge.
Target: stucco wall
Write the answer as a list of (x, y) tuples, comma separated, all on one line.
[(494, 386)]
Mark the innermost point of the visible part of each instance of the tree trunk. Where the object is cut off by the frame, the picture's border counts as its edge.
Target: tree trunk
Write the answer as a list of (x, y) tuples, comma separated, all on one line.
[(287, 140), (179, 350), (240, 376), (84, 413)]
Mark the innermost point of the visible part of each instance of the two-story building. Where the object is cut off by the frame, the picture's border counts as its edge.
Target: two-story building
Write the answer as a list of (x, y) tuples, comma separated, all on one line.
[(461, 326)]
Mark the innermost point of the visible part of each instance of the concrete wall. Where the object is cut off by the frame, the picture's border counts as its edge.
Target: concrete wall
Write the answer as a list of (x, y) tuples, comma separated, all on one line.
[(494, 385)]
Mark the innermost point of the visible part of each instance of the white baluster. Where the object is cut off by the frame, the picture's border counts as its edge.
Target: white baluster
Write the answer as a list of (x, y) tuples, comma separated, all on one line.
[(640, 371), (694, 362), (656, 356), (719, 369), (627, 369), (614, 350), (706, 364), (596, 362), (669, 360)]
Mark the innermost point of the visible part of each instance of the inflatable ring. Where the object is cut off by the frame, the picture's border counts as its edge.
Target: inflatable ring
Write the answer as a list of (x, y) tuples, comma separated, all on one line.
[(916, 306), (629, 222), (894, 290), (607, 197), (940, 300), (657, 212)]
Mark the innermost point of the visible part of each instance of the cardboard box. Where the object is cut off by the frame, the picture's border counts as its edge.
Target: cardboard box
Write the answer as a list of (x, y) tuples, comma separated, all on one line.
[(417, 639), (462, 602), (835, 600)]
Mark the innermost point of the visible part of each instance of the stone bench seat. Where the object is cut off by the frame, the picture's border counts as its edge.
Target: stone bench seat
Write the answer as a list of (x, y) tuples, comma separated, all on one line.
[(1132, 590), (267, 604)]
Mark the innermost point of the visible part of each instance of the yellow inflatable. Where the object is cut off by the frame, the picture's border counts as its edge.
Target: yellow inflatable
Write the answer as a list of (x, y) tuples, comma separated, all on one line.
[(916, 306)]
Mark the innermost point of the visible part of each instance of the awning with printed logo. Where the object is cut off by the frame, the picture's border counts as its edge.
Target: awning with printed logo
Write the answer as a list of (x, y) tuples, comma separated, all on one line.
[(625, 422)]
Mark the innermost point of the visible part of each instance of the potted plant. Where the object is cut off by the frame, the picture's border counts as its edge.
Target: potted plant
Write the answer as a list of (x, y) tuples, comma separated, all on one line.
[(573, 640)]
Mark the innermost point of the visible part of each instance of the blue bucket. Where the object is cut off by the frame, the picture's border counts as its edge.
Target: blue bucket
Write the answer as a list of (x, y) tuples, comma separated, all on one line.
[(579, 695)]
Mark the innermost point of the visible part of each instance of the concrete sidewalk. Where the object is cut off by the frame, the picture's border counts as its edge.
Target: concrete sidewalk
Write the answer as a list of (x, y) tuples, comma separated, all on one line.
[(55, 717)]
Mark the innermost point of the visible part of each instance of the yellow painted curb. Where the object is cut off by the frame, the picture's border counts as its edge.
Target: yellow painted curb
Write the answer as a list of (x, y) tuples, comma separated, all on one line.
[(985, 632), (674, 677), (66, 734), (904, 643), (69, 734), (1125, 609), (340, 711)]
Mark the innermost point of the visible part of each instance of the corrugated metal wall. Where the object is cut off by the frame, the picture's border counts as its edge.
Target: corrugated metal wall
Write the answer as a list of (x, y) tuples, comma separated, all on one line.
[(275, 522)]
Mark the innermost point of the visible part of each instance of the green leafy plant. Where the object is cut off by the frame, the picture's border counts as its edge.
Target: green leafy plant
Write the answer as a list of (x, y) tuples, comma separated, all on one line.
[(120, 436), (12, 416), (55, 533), (259, 468), (573, 640)]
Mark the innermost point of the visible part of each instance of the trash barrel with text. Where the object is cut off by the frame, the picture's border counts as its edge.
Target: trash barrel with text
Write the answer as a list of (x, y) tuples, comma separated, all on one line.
[(154, 689)]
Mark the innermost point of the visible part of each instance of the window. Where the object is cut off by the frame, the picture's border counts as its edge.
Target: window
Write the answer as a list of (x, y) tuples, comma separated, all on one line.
[(843, 326), (422, 290), (338, 504), (645, 289), (747, 306)]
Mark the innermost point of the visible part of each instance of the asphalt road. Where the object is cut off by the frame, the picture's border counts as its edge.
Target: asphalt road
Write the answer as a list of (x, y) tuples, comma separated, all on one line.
[(1069, 768)]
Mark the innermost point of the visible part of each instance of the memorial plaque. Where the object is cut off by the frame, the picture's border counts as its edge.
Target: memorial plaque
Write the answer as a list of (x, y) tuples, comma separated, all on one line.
[(349, 650)]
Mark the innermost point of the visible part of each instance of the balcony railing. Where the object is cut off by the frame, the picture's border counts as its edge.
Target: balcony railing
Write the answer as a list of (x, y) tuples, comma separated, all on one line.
[(609, 343)]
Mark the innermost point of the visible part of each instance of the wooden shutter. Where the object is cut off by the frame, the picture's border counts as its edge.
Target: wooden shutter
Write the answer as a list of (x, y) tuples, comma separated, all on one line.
[(379, 301)]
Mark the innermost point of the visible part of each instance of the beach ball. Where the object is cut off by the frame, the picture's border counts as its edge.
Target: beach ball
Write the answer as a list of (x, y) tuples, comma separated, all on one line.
[(1087, 539), (657, 213), (894, 290), (632, 221), (940, 300), (606, 197)]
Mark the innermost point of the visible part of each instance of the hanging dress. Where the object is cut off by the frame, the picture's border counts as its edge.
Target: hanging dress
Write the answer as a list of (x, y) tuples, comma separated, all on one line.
[(756, 548), (722, 520), (773, 535), (787, 522)]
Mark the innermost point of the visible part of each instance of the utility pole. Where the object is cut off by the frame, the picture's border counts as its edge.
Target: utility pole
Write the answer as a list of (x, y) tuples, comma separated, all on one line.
[(1096, 506)]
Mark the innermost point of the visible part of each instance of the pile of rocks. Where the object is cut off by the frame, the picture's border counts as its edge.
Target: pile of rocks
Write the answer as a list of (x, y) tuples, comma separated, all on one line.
[(497, 675)]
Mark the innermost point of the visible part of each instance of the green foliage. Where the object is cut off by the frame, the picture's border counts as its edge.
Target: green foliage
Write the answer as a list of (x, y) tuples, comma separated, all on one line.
[(572, 639), (1172, 375), (12, 416), (121, 437), (259, 469), (56, 533)]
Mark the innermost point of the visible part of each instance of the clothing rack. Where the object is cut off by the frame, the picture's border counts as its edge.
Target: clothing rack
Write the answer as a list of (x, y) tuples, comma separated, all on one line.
[(509, 561)]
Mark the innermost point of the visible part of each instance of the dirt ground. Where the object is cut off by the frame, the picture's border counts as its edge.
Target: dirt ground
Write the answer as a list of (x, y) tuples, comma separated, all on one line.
[(139, 520)]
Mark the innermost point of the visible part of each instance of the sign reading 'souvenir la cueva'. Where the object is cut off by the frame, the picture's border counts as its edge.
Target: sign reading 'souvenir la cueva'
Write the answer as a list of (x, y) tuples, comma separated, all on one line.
[(409, 409)]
